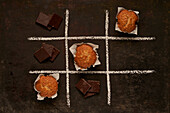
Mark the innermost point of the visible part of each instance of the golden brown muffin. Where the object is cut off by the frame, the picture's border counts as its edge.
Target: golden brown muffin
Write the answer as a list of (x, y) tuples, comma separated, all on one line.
[(85, 56), (47, 86), (127, 20)]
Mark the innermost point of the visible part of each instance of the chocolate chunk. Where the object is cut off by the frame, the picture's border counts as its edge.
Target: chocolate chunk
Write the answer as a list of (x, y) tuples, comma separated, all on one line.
[(55, 54), (44, 20), (83, 86), (48, 48), (95, 86), (41, 55), (48, 26), (89, 94), (55, 21)]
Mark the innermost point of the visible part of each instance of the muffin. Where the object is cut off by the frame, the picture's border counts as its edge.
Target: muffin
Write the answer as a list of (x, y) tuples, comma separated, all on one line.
[(127, 20), (85, 56), (47, 86)]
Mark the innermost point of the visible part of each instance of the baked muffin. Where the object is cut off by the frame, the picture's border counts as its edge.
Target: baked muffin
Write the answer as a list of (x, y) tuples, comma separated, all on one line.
[(127, 20), (47, 86), (85, 56)]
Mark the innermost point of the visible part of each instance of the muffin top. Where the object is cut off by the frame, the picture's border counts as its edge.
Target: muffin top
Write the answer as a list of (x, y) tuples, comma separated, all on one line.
[(85, 56), (127, 20), (47, 86)]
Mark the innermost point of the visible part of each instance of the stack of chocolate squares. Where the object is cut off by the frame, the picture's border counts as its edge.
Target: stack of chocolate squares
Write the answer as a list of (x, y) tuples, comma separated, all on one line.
[(49, 21), (46, 52), (89, 87)]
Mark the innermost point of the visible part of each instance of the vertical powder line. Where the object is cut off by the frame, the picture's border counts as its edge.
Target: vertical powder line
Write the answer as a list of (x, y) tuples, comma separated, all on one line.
[(67, 62), (107, 58)]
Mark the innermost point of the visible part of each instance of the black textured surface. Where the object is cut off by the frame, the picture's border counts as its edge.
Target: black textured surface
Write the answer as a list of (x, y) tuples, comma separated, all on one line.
[(130, 93)]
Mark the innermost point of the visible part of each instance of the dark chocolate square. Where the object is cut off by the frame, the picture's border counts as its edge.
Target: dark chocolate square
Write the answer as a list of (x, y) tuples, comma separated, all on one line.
[(88, 94), (48, 48), (83, 86), (95, 86), (55, 54), (55, 21), (44, 20), (41, 55)]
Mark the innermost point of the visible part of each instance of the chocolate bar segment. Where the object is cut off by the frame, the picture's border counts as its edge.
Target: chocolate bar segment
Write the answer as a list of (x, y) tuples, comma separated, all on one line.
[(89, 94), (44, 20), (95, 86), (55, 54), (55, 21), (83, 86), (41, 55), (48, 48)]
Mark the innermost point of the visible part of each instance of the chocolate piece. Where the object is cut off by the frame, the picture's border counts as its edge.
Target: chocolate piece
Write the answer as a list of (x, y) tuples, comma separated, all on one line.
[(48, 26), (44, 19), (48, 48), (41, 55), (95, 86), (55, 21), (55, 54), (83, 86), (89, 94)]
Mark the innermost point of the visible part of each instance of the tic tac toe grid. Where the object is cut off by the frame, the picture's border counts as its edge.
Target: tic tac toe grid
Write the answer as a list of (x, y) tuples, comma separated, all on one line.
[(107, 72)]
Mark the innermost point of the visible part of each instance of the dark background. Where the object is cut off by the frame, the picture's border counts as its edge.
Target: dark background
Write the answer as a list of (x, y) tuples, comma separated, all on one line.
[(130, 93)]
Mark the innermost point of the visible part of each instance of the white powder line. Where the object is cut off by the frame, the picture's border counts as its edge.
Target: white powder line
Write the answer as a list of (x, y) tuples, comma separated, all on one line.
[(132, 72), (107, 23), (107, 58), (67, 63), (46, 72), (93, 72), (108, 89), (90, 38)]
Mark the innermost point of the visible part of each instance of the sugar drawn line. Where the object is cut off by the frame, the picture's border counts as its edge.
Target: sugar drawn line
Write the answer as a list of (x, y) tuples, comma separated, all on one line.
[(67, 63), (132, 72), (46, 71), (107, 58), (90, 38), (106, 23), (93, 72)]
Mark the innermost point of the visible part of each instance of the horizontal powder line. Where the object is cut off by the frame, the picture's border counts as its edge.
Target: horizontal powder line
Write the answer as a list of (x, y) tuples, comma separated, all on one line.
[(94, 72), (90, 38)]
